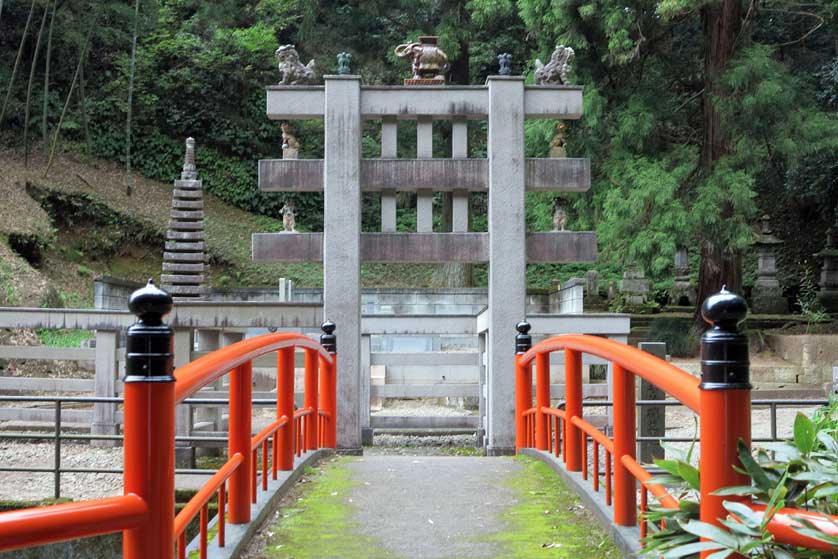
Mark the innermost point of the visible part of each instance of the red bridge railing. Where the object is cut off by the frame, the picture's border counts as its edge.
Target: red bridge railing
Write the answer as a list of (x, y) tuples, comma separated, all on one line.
[(145, 514), (721, 398)]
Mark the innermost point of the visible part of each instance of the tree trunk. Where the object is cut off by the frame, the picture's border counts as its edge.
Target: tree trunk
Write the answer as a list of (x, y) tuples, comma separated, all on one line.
[(29, 87), (1, 10), (17, 61), (82, 55), (45, 111), (722, 22), (129, 186), (83, 107)]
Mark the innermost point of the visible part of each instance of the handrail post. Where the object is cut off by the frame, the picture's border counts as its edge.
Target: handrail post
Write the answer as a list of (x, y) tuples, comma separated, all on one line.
[(285, 407), (240, 429), (523, 383), (725, 401), (149, 410), (625, 489), (573, 408), (310, 400), (328, 391), (542, 400)]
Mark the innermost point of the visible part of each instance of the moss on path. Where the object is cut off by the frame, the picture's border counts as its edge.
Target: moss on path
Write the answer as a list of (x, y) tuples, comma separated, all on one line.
[(542, 519), (549, 521)]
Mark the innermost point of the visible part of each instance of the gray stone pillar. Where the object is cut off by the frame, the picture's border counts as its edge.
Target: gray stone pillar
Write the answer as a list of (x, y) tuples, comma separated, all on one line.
[(366, 382), (208, 340), (507, 254), (184, 451), (424, 198), (651, 419), (460, 198), (104, 415), (389, 133), (342, 245)]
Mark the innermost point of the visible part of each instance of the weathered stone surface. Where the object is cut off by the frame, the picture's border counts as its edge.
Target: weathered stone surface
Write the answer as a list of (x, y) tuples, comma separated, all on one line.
[(180, 267), (175, 246), (287, 247), (184, 257), (188, 204), (189, 214), (188, 194), (194, 290), (562, 246), (290, 103), (440, 175), (187, 225), (185, 235), (178, 279), (189, 184)]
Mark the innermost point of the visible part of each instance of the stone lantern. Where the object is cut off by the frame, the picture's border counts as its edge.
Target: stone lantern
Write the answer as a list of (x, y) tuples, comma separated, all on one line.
[(767, 294), (682, 293), (828, 294)]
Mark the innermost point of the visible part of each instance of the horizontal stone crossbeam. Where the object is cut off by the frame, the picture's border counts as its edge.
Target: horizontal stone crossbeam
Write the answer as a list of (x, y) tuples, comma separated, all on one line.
[(306, 175), (472, 102), (426, 248)]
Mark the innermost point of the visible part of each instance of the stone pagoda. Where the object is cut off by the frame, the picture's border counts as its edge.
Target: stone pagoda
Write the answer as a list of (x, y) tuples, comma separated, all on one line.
[(828, 294), (184, 260), (767, 297)]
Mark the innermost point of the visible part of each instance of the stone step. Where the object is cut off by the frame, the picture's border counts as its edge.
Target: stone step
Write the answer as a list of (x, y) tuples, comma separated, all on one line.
[(180, 267), (185, 235), (188, 204), (185, 247), (191, 214), (175, 279), (188, 194), (184, 290), (184, 257), (189, 184), (187, 225)]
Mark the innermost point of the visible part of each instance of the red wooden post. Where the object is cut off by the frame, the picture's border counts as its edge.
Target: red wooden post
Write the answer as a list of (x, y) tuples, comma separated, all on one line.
[(573, 408), (625, 490), (310, 400), (241, 398), (542, 400), (725, 401), (523, 384), (285, 406), (149, 448)]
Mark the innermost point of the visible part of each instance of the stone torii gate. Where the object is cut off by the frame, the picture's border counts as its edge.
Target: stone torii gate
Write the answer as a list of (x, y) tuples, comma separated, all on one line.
[(344, 103)]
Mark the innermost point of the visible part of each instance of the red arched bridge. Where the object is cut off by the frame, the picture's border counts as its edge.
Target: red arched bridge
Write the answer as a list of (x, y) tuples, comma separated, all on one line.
[(145, 513)]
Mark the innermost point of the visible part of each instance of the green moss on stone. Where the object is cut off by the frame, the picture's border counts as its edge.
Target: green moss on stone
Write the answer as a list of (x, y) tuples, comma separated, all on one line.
[(548, 520), (321, 523)]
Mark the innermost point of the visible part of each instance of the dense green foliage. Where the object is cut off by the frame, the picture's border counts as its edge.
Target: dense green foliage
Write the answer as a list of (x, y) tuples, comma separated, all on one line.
[(201, 69)]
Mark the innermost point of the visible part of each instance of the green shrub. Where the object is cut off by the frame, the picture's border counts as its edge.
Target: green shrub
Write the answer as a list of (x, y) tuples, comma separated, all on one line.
[(676, 334)]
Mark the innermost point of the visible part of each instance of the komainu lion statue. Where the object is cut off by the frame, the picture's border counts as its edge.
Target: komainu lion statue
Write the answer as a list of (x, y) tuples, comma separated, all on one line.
[(293, 72), (557, 69)]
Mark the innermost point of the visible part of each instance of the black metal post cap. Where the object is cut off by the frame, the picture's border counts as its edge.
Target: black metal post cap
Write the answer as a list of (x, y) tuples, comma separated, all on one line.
[(149, 354), (328, 339), (724, 309), (523, 341), (725, 364), (150, 303)]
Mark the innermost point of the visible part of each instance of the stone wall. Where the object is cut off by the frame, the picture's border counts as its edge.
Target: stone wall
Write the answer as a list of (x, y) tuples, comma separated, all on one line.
[(816, 354)]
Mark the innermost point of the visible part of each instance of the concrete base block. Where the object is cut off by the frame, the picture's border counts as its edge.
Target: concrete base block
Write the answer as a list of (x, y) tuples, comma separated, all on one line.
[(366, 436), (350, 451), (500, 451), (184, 457), (768, 300)]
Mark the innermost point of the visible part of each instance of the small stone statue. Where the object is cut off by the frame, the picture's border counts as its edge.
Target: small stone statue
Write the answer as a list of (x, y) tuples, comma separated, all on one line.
[(505, 64), (292, 70), (558, 145), (189, 172), (289, 223), (290, 144), (559, 215), (557, 69), (344, 59), (429, 62)]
